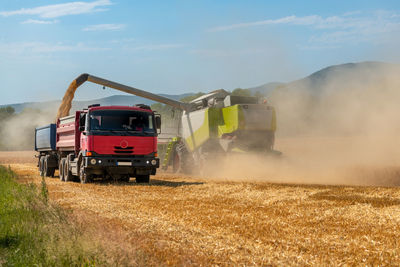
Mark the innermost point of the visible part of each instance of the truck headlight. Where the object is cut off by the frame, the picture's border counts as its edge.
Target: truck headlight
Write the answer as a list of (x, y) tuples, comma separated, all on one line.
[(93, 161), (153, 162)]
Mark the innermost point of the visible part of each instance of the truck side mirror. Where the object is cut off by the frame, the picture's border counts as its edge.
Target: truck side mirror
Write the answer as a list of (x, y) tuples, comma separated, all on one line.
[(158, 122), (81, 128)]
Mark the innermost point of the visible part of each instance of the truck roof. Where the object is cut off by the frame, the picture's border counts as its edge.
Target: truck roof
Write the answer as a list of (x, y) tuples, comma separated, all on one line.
[(120, 108)]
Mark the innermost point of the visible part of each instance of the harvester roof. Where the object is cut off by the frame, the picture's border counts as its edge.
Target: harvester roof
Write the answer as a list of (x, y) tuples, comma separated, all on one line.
[(221, 93)]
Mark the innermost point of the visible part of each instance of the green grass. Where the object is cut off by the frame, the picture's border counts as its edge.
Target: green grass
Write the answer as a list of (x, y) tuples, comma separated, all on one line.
[(34, 232)]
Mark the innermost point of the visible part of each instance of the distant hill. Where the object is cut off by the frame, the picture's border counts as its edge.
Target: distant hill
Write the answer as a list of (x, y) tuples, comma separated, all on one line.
[(342, 99), (329, 78), (344, 75), (265, 89), (337, 75)]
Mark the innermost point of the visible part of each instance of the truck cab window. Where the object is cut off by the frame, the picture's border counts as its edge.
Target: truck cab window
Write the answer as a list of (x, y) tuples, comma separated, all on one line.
[(126, 122)]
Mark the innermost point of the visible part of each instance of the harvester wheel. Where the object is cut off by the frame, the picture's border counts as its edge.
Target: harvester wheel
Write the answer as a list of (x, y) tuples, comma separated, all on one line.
[(176, 164), (183, 159), (140, 179), (61, 169)]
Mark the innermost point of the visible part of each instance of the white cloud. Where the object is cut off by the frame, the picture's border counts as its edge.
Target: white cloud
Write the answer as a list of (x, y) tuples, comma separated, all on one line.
[(308, 20), (122, 41), (35, 21), (154, 47), (59, 10), (351, 27), (104, 27), (229, 52), (349, 20), (43, 48)]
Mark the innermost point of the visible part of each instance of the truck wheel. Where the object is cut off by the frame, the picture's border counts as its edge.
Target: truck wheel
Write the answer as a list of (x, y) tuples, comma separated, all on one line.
[(67, 173), (140, 179), (125, 178), (41, 166), (51, 172), (47, 171), (61, 169), (83, 176)]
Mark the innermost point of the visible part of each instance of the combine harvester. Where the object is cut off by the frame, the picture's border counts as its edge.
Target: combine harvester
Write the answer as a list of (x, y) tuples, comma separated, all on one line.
[(218, 124), (213, 124)]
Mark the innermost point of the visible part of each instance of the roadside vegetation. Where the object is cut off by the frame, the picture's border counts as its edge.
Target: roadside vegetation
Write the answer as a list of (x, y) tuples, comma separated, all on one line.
[(34, 232)]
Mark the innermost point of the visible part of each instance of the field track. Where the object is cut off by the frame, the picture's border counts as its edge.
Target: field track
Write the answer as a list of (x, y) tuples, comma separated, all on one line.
[(180, 220)]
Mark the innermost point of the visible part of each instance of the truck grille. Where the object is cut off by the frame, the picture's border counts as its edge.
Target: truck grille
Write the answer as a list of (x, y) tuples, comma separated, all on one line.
[(126, 150)]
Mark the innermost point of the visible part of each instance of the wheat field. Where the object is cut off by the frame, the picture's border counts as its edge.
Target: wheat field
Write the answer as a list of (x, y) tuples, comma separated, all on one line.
[(184, 220)]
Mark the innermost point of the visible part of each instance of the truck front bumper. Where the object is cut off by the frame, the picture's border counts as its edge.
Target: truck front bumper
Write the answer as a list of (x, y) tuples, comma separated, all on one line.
[(146, 162)]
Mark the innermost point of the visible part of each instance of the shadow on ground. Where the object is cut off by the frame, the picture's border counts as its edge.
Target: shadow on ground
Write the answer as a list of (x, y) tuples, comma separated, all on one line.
[(132, 182), (153, 182)]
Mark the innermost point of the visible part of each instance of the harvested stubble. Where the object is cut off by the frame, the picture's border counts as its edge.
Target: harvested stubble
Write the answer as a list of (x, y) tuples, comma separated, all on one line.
[(186, 220), (7, 157)]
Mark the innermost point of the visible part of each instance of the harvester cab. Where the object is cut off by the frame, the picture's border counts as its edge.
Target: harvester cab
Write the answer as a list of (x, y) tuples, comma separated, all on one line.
[(221, 122)]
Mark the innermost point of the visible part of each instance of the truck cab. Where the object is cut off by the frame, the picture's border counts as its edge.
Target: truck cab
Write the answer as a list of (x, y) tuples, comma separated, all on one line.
[(118, 142), (101, 142)]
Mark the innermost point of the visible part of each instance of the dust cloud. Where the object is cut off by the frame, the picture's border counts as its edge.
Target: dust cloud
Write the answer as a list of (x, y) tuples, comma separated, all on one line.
[(342, 128), (18, 131)]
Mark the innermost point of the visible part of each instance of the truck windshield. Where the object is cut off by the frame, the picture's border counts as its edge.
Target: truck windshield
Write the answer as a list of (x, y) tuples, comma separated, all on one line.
[(122, 121)]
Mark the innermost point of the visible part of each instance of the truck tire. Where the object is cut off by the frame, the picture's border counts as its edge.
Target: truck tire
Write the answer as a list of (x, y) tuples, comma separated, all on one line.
[(47, 171), (141, 179), (125, 178), (41, 166), (83, 176), (61, 169), (68, 177)]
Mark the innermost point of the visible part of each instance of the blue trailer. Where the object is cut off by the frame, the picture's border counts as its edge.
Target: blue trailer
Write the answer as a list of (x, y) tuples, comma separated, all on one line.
[(45, 144), (45, 138)]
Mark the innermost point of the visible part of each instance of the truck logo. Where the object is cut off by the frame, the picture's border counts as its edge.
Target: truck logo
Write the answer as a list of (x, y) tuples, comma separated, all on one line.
[(123, 144)]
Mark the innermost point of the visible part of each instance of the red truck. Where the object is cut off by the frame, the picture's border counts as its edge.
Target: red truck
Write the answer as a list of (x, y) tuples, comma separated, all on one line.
[(108, 142)]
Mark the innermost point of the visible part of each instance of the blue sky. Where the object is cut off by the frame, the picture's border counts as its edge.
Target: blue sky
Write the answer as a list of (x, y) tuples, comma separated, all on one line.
[(184, 46)]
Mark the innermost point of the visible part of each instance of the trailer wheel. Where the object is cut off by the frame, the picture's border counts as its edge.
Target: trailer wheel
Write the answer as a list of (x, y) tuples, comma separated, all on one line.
[(41, 167), (141, 179), (61, 169), (39, 163), (67, 173), (47, 171)]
